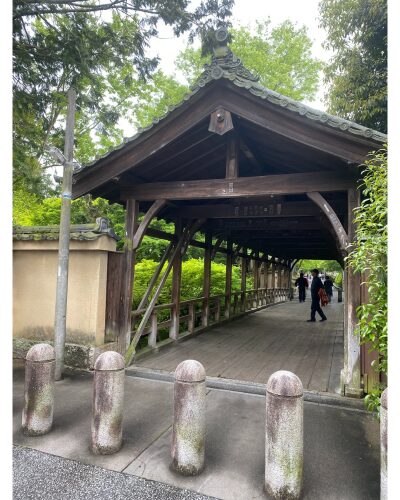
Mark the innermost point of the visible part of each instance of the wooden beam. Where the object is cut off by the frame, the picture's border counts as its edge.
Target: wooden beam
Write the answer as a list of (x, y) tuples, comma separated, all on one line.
[(333, 219), (250, 209), (131, 218), (151, 212), (243, 186), (232, 158), (216, 247), (155, 276), (292, 126)]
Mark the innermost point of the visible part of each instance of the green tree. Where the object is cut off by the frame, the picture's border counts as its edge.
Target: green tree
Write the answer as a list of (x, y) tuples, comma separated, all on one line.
[(59, 43), (357, 72), (330, 266), (280, 55), (369, 256)]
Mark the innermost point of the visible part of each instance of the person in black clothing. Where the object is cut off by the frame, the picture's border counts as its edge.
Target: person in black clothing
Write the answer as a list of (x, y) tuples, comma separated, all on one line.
[(316, 285), (302, 283), (328, 285)]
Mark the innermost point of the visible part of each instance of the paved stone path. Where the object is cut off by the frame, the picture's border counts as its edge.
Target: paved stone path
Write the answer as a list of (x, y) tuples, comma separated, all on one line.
[(341, 448), (38, 475), (255, 346)]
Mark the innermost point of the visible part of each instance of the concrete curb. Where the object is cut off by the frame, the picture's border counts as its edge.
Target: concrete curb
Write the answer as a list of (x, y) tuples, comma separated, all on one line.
[(320, 398)]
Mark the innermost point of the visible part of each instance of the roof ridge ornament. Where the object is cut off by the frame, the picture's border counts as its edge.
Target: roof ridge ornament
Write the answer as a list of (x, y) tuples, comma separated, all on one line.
[(225, 64)]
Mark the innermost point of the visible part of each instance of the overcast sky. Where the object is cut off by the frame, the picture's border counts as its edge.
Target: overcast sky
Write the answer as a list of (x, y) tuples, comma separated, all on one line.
[(247, 12)]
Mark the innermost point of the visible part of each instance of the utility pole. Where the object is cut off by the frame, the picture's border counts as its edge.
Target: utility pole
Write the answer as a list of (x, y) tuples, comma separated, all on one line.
[(63, 249)]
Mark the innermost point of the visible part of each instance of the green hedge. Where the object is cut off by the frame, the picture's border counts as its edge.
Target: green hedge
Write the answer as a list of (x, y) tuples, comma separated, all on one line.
[(192, 280)]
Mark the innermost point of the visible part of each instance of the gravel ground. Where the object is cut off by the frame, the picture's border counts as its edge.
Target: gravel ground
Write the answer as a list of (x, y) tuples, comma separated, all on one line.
[(38, 475)]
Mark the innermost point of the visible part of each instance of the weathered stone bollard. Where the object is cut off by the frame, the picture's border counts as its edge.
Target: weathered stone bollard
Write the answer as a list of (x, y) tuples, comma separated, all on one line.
[(108, 401), (284, 436), (37, 415), (188, 436), (384, 424)]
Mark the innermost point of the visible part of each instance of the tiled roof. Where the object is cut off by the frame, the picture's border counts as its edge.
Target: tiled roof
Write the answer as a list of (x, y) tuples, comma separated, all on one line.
[(225, 65)]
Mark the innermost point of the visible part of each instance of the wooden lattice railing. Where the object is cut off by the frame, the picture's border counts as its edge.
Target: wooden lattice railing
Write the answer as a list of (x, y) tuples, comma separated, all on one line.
[(200, 313)]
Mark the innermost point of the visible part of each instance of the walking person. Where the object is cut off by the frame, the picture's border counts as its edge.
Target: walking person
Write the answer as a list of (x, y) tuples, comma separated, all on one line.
[(316, 286), (328, 285), (302, 284)]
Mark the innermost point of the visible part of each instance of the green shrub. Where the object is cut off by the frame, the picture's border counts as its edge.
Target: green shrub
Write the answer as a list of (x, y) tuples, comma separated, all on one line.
[(191, 282), (369, 256)]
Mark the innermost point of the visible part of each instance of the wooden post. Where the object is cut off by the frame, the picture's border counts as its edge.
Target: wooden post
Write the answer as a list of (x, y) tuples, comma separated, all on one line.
[(243, 280), (176, 286), (278, 275), (131, 223), (352, 368), (269, 275), (205, 316), (192, 317), (218, 309), (232, 164), (228, 279), (273, 272), (152, 338), (263, 275), (256, 283)]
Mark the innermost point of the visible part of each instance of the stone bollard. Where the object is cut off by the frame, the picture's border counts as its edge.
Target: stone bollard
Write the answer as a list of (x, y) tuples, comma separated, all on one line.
[(284, 436), (384, 424), (188, 435), (108, 401), (37, 415)]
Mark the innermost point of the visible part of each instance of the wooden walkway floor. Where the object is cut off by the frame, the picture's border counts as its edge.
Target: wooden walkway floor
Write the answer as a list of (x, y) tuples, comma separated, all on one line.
[(255, 346)]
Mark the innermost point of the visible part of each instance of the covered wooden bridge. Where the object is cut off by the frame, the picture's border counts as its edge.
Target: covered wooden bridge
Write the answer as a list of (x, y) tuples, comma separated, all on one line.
[(266, 179)]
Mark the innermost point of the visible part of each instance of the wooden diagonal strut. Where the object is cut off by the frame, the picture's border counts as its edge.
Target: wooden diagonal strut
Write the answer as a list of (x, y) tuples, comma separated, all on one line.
[(181, 246), (156, 275), (341, 234)]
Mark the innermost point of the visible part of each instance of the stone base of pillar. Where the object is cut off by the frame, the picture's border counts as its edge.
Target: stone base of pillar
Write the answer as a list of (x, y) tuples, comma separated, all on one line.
[(347, 390), (353, 392)]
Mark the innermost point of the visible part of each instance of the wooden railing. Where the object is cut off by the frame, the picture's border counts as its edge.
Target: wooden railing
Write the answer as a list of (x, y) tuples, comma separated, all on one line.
[(201, 312)]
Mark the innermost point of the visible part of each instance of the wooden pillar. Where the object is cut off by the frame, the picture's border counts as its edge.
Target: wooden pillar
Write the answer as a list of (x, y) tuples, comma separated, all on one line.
[(256, 278), (352, 368), (131, 224), (263, 275), (243, 279), (273, 275), (207, 280), (279, 280), (228, 279), (269, 275), (256, 269), (176, 287)]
